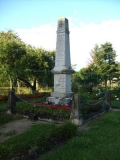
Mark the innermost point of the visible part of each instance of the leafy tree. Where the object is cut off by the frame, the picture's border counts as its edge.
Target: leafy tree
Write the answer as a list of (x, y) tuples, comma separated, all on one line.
[(119, 66), (101, 67), (12, 49), (35, 67), (103, 62), (24, 63), (84, 80)]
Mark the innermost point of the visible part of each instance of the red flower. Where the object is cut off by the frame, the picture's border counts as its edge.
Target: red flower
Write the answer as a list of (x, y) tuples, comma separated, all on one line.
[(51, 106)]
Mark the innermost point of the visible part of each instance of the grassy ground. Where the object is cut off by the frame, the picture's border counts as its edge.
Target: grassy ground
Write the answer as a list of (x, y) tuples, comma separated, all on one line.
[(37, 140), (3, 106), (4, 117), (100, 142), (25, 143), (115, 104)]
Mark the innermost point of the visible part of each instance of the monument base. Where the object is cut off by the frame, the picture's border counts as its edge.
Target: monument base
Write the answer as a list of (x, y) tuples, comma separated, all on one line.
[(59, 101), (77, 121), (62, 94)]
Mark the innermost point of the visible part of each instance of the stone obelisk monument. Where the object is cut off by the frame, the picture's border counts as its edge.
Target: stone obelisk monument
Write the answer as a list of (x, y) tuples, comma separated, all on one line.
[(62, 70)]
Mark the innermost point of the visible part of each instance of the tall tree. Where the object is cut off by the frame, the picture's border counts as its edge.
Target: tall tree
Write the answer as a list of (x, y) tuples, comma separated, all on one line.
[(24, 63), (12, 49), (103, 61), (35, 67)]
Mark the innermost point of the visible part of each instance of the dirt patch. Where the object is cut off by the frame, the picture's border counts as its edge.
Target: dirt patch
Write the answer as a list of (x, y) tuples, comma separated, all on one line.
[(83, 127), (113, 109), (16, 127)]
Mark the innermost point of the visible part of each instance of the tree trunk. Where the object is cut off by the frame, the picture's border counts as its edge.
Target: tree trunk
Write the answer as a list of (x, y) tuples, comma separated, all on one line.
[(10, 83), (28, 84), (105, 81), (34, 86), (18, 87)]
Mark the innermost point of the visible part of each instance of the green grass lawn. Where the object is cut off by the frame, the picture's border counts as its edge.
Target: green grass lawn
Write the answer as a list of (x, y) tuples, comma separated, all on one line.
[(115, 104), (100, 142), (37, 140), (4, 117), (3, 106)]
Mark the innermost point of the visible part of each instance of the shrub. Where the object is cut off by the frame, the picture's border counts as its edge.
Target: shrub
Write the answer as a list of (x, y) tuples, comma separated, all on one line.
[(66, 131), (87, 109), (39, 139)]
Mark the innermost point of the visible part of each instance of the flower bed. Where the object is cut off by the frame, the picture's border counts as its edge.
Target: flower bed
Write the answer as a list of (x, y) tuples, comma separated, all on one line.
[(25, 96), (53, 112), (37, 95), (3, 98)]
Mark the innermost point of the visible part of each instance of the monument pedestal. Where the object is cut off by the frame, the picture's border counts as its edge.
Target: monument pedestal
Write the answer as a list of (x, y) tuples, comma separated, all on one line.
[(61, 94), (60, 101), (62, 70)]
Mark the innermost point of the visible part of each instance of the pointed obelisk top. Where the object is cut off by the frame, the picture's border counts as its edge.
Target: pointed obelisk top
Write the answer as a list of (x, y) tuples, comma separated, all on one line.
[(62, 59), (62, 70), (63, 25)]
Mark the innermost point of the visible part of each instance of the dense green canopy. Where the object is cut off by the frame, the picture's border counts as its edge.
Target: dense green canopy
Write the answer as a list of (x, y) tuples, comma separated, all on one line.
[(24, 63)]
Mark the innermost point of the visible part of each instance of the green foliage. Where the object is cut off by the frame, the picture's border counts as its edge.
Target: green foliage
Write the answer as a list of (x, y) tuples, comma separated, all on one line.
[(3, 106), (115, 93), (13, 147), (85, 81), (66, 131), (115, 104), (36, 66), (102, 70), (94, 102), (90, 109), (24, 63), (103, 61), (52, 112), (5, 118), (100, 141), (12, 49), (103, 58), (37, 140)]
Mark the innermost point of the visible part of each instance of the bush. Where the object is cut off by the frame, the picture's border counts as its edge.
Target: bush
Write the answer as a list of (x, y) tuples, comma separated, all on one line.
[(66, 131), (39, 139), (115, 93), (87, 109)]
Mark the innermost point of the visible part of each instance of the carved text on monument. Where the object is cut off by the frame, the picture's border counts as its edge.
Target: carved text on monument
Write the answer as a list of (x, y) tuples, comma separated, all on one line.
[(60, 83), (60, 50)]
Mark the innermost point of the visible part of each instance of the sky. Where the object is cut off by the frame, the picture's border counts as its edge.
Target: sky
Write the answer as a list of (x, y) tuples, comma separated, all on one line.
[(91, 22)]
